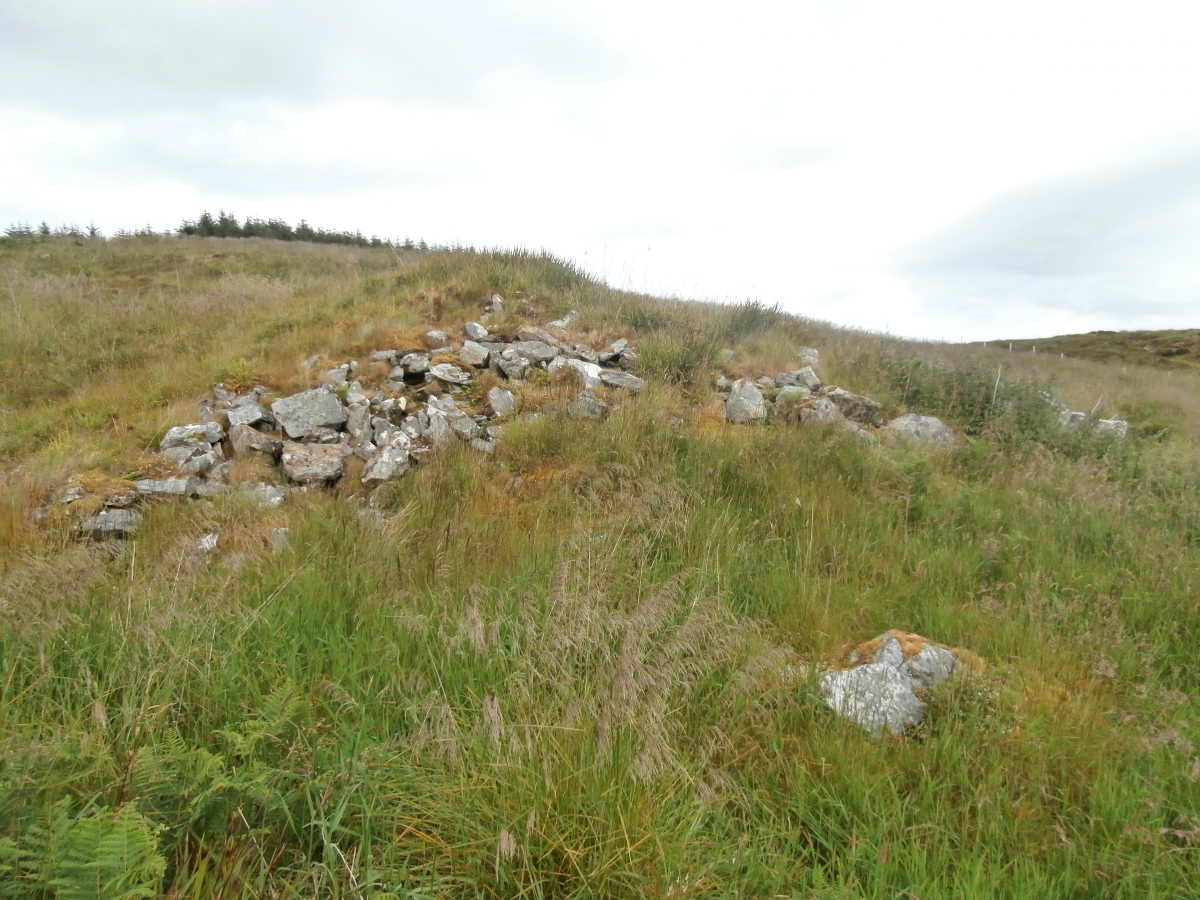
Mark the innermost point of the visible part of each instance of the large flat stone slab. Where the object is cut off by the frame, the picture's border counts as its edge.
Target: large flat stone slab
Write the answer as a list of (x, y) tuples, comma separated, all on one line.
[(300, 414)]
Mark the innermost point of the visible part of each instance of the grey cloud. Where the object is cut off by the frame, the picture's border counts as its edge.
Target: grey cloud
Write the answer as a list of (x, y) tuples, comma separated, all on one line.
[(89, 58), (1116, 245), (202, 149)]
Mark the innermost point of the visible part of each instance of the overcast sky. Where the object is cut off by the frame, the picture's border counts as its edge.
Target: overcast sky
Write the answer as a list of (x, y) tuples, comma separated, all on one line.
[(957, 169)]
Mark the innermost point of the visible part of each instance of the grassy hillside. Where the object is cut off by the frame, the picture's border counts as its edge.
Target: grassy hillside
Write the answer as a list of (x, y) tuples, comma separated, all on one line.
[(586, 666), (1166, 350)]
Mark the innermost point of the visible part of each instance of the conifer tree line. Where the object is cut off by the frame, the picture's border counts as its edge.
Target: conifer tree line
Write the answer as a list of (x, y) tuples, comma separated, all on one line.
[(226, 225), (222, 225)]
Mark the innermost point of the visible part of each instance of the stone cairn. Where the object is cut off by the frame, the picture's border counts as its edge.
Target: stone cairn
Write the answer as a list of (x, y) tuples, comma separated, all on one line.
[(881, 684), (311, 435), (799, 396)]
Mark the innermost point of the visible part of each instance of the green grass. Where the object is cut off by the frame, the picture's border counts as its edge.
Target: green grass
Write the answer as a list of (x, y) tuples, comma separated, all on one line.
[(1178, 349), (584, 668)]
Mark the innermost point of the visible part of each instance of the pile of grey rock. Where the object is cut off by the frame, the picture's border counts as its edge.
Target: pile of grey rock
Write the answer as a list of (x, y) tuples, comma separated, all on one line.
[(421, 408), (799, 396), (1069, 419), (881, 689)]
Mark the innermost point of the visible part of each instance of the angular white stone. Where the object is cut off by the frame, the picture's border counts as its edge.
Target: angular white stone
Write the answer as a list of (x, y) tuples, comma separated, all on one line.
[(473, 354), (745, 404), (389, 463), (501, 401), (313, 463), (449, 373), (302, 413), (614, 378)]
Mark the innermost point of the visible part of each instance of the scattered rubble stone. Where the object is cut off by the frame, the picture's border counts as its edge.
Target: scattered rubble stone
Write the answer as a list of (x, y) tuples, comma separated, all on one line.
[(475, 331)]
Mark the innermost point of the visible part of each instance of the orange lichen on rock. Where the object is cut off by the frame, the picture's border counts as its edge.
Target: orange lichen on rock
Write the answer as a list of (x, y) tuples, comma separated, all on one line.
[(910, 645)]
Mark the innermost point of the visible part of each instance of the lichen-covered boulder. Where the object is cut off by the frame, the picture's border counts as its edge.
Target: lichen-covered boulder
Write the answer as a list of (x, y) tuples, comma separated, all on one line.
[(789, 398), (880, 689), (589, 373), (191, 435), (301, 414), (920, 430), (313, 463), (389, 463), (535, 353), (856, 407), (247, 414), (412, 364), (820, 412)]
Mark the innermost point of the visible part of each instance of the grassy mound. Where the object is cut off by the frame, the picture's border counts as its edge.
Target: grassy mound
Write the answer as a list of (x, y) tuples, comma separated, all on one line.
[(586, 666)]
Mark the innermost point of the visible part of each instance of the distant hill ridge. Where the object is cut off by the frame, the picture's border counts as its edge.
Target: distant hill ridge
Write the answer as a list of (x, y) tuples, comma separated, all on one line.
[(1161, 349)]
